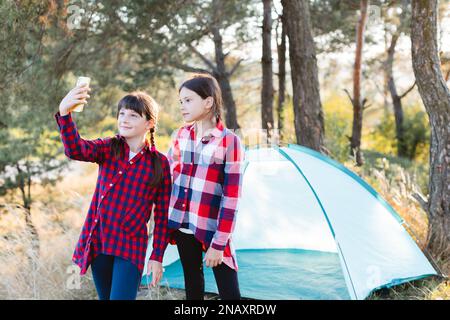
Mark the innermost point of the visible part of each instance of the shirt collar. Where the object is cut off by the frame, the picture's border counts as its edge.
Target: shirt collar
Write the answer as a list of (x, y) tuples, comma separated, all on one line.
[(127, 147), (216, 132)]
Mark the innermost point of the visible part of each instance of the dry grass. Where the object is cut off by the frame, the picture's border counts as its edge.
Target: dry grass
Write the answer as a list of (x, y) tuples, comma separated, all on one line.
[(425, 289), (26, 275), (58, 213)]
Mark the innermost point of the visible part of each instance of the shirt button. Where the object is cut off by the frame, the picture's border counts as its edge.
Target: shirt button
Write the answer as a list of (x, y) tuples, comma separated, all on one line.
[(142, 152), (120, 172), (183, 205), (95, 220), (111, 184), (131, 162), (185, 190), (103, 197)]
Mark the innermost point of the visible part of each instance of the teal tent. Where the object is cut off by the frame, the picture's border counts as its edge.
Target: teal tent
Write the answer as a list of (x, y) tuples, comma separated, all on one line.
[(309, 228)]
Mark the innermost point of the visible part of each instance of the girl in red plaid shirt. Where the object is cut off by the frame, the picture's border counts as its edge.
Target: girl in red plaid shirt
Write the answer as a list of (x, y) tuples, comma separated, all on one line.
[(207, 166), (133, 178)]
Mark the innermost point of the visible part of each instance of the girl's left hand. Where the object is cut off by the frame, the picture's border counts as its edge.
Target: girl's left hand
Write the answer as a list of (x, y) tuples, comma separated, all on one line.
[(157, 269), (213, 257)]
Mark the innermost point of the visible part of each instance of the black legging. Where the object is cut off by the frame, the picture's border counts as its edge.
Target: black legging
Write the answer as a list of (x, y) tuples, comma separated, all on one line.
[(190, 251)]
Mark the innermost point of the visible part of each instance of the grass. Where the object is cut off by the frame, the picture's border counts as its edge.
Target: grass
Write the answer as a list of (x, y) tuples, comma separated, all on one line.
[(425, 289)]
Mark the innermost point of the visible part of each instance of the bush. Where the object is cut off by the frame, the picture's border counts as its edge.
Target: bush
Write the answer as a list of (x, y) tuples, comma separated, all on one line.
[(417, 135)]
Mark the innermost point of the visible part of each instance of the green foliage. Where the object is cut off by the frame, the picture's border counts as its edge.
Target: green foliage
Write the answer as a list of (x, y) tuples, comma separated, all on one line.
[(335, 21), (22, 24), (338, 119), (417, 135)]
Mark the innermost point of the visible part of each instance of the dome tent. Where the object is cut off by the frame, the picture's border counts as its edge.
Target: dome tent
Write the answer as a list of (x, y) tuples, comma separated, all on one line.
[(309, 228)]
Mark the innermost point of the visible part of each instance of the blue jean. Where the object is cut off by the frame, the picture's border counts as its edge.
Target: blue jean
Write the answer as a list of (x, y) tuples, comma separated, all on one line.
[(115, 278)]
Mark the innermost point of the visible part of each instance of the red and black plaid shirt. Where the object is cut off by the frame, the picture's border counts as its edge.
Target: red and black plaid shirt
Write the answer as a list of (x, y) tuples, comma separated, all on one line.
[(116, 223)]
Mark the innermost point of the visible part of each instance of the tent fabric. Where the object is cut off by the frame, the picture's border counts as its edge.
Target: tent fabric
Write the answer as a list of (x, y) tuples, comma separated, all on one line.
[(267, 278), (309, 228)]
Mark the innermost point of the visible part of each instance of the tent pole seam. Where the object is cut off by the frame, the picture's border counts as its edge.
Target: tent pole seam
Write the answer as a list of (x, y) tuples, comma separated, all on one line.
[(323, 211), (425, 251), (346, 267)]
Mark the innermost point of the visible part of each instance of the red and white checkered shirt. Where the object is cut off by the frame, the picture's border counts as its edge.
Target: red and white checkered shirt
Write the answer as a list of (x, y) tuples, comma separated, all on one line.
[(207, 181), (116, 223)]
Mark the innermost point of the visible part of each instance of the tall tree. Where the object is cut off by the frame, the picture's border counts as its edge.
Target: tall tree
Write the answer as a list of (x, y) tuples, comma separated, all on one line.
[(23, 156), (400, 25), (308, 113), (358, 103), (281, 52), (402, 146), (40, 51), (267, 73), (173, 39), (436, 99), (333, 20)]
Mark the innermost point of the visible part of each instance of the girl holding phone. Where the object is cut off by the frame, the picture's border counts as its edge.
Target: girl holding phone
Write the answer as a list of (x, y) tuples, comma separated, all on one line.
[(133, 179)]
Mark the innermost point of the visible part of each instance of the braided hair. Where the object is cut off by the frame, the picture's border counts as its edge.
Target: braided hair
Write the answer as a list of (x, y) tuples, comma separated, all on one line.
[(145, 106)]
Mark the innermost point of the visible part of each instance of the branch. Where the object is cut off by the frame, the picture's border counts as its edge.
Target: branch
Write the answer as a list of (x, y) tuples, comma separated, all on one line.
[(198, 53), (236, 65), (421, 200), (349, 96), (364, 106), (187, 68), (408, 91), (202, 57)]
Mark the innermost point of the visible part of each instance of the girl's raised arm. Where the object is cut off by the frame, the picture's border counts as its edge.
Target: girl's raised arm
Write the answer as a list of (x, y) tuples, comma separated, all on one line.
[(75, 147)]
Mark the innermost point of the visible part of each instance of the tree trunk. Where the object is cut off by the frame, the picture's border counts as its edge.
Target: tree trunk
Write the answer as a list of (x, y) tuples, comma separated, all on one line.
[(34, 236), (396, 99), (26, 198), (358, 105), (267, 72), (223, 79), (308, 113), (281, 51), (385, 77), (436, 99)]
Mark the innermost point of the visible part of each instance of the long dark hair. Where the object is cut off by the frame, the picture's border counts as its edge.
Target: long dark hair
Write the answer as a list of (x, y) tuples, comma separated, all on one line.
[(145, 106), (205, 85)]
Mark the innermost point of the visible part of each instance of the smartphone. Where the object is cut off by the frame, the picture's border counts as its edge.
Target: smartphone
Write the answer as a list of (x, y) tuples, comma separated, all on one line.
[(80, 81)]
